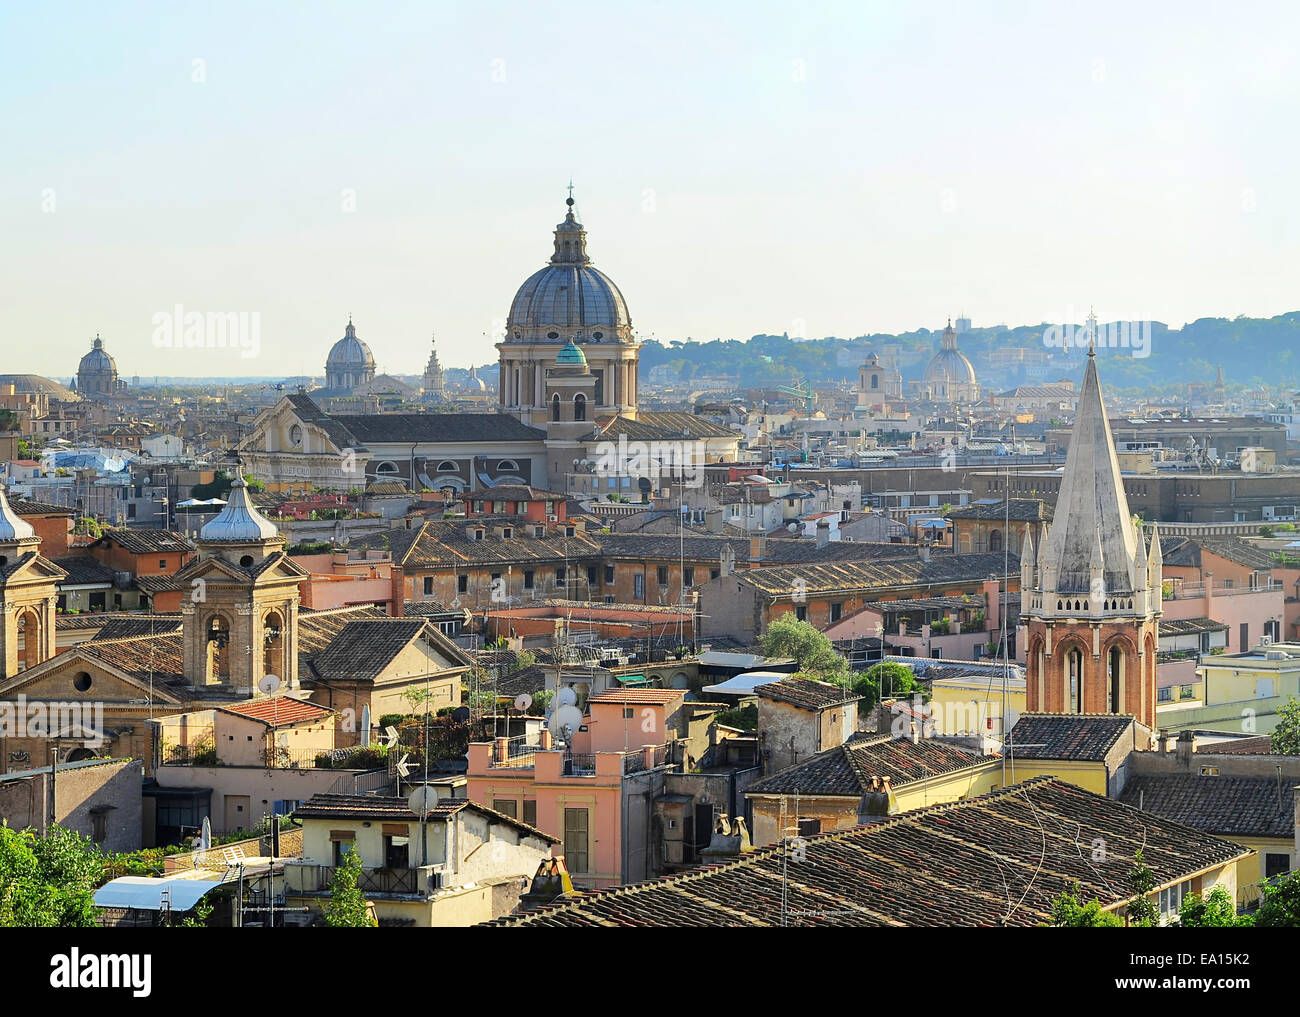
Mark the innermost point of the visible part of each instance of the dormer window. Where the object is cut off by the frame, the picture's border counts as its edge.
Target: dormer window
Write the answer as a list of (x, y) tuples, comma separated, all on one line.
[(507, 532), (479, 534)]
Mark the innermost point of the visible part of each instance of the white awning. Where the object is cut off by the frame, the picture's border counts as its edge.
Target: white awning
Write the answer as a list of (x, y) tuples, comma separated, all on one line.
[(146, 893)]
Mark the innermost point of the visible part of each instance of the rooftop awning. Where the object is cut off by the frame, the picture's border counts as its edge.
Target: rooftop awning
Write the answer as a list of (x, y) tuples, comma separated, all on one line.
[(145, 893)]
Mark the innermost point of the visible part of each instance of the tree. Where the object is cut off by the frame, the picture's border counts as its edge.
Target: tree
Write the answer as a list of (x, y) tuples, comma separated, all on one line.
[(1280, 908), (1068, 912), (1141, 911), (48, 882), (890, 679), (347, 907), (1286, 736), (1216, 910), (787, 636)]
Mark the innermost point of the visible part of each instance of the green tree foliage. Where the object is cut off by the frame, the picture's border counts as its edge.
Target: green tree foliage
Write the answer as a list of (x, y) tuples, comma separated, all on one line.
[(1068, 912), (888, 679), (218, 487), (1280, 908), (48, 882), (1216, 910), (1286, 736), (787, 636), (1141, 909), (347, 904)]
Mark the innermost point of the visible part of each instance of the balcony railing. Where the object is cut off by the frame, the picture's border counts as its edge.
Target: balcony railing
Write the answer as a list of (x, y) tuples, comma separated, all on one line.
[(376, 880), (579, 765)]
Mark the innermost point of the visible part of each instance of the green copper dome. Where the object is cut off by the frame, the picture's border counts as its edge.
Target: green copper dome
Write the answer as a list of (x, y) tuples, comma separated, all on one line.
[(571, 356)]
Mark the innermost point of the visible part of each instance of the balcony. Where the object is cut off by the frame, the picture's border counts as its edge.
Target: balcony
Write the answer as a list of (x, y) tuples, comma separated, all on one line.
[(311, 878)]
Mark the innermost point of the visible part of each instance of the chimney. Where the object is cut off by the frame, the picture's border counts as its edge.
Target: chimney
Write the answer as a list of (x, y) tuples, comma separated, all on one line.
[(713, 520), (823, 532), (923, 552), (544, 740), (1185, 749), (757, 548)]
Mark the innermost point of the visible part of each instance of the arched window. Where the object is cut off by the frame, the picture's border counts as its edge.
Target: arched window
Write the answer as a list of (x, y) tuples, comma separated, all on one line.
[(1074, 682), (579, 407), (875, 381), (386, 468), (555, 406), (447, 466), (273, 640), (218, 642), (507, 466), (995, 540), (1114, 669), (30, 644)]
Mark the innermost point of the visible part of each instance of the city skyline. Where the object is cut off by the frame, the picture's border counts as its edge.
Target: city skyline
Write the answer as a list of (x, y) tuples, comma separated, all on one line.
[(194, 163)]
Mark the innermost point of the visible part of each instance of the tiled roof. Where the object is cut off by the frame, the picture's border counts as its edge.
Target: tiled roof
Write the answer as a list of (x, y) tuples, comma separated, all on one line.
[(884, 574), (1185, 552), (161, 658), (514, 492), (846, 770), (279, 711), (134, 626), (159, 584), (1228, 806), (1022, 510), (806, 693), (148, 541), (996, 860), (1079, 736), (384, 428), (317, 628), (362, 649), (380, 807), (83, 570), (27, 507), (663, 697)]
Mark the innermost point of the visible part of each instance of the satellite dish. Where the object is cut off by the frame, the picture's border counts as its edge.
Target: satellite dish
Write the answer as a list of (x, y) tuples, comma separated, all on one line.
[(460, 715), (268, 684), (523, 701), (566, 697), (565, 721), (423, 800)]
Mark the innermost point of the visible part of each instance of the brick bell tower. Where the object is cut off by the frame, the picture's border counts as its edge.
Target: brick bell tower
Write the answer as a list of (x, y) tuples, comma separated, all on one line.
[(1090, 591)]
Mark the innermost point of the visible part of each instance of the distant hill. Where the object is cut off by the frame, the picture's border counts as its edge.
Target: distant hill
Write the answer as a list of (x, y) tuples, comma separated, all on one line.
[(1252, 351)]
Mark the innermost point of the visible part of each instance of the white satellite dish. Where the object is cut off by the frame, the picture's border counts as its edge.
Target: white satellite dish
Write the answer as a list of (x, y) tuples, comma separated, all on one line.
[(423, 800), (566, 697), (565, 721), (268, 684), (523, 701)]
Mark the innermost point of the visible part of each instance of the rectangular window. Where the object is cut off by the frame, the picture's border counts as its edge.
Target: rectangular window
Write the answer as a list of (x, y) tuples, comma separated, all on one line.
[(836, 610), (593, 575), (638, 587), (341, 845), (801, 612), (529, 576), (462, 584), (809, 827), (499, 507), (162, 563), (1171, 898), (688, 576), (609, 573), (575, 839), (1276, 864), (629, 712), (397, 851), (561, 574), (1165, 695), (506, 806), (714, 573), (478, 508), (428, 586), (661, 573), (530, 811)]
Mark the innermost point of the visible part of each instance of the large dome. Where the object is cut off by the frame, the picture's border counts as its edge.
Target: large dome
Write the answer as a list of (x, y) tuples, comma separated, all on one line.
[(350, 353), (568, 297), (97, 361)]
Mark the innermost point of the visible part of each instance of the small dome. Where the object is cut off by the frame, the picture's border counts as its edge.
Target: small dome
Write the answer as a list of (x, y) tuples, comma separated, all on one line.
[(950, 365), (239, 521), (13, 526), (97, 361), (571, 356)]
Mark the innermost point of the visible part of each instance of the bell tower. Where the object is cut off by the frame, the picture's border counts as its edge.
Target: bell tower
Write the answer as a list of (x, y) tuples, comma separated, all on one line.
[(240, 615), (1090, 586), (27, 594)]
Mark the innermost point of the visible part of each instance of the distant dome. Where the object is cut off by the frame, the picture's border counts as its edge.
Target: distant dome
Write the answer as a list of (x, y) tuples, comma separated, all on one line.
[(950, 366), (97, 372), (350, 363), (239, 521), (568, 297), (474, 381), (36, 383)]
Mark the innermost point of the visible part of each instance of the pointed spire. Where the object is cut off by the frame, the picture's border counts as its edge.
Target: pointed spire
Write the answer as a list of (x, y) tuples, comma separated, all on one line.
[(1155, 557), (1091, 505)]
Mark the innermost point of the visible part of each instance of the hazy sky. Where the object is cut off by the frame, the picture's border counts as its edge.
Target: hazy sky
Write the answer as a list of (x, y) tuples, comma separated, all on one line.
[(825, 169)]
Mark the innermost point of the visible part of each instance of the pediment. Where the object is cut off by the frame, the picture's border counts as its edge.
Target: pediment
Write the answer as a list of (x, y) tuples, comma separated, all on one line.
[(53, 680)]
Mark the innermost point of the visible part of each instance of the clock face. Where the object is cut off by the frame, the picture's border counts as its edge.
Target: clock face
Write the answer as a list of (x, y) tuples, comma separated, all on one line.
[(295, 434)]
